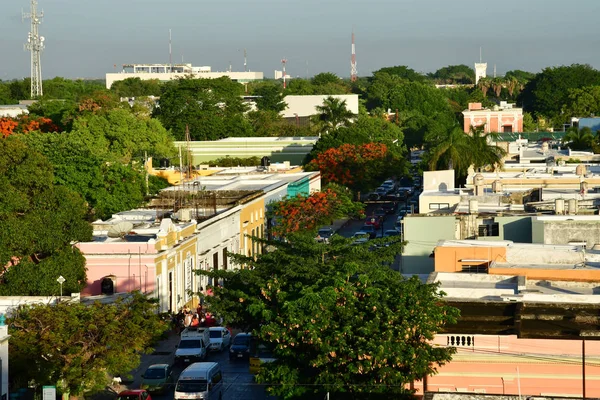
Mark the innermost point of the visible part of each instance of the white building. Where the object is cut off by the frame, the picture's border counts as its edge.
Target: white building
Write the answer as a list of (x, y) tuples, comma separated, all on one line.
[(165, 72)]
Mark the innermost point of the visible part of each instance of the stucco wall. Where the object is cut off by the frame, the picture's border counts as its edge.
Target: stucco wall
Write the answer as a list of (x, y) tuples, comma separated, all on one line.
[(452, 259), (422, 235), (563, 232)]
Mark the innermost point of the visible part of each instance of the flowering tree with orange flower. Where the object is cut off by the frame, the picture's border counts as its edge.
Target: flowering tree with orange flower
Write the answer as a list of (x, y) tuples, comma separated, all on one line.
[(357, 166), (25, 124), (307, 213)]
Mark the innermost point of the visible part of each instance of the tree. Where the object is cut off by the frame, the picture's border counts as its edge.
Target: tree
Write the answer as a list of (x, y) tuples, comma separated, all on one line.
[(403, 72), (211, 108), (136, 87), (454, 74), (307, 213), (484, 154), (579, 139), (359, 167), (582, 102), (80, 347), (270, 97), (325, 78), (484, 84), (61, 112), (38, 222), (332, 115), (339, 320), (549, 90)]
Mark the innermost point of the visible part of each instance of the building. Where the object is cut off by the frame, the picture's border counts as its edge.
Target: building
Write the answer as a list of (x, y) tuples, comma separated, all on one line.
[(502, 118), (189, 228), (279, 149), (301, 107), (166, 72), (13, 111), (480, 71)]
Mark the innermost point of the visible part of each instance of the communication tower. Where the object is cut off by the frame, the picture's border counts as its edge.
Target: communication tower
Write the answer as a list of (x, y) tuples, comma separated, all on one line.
[(35, 44), (283, 62), (353, 70)]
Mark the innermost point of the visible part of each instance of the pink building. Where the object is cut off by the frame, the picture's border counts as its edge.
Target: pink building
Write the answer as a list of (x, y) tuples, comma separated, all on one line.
[(509, 365), (503, 118)]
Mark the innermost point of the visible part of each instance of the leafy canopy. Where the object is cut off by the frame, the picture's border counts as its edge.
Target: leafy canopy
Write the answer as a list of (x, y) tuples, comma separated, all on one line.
[(338, 319), (81, 347)]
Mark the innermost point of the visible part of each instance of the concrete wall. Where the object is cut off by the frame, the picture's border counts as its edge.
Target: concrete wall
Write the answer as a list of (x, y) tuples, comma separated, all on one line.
[(517, 229), (452, 259), (422, 235), (563, 232)]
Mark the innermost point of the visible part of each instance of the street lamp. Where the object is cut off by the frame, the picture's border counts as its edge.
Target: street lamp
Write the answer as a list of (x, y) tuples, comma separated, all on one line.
[(60, 280)]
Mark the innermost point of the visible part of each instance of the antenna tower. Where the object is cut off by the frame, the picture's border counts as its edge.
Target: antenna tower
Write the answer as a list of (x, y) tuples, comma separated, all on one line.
[(283, 62), (35, 44), (171, 54), (245, 62), (353, 70)]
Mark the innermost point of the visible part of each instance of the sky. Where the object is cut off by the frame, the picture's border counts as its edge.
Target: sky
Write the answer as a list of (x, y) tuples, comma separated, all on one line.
[(87, 38)]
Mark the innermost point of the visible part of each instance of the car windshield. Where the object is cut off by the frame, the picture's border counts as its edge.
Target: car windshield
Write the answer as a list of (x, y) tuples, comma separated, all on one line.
[(190, 344), (324, 232), (154, 373), (216, 334), (191, 386), (241, 341)]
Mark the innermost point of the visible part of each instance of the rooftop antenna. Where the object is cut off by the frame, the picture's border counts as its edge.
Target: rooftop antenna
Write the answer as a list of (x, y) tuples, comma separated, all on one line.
[(480, 58), (35, 44), (353, 70), (283, 62), (245, 62), (171, 53), (494, 70)]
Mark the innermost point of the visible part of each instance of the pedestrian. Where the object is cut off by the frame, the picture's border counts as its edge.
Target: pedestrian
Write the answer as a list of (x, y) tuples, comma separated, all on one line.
[(188, 319)]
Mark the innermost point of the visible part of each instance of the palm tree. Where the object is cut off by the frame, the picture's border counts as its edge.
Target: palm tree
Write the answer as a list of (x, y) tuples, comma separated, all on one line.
[(579, 139), (484, 84), (483, 153), (332, 114)]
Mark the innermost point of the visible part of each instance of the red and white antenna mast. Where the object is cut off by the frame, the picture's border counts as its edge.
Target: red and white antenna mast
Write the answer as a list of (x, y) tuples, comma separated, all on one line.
[(353, 70), (283, 62)]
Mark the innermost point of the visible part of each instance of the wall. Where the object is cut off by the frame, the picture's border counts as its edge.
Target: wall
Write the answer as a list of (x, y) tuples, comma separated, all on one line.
[(494, 121), (422, 234), (517, 229), (537, 273), (563, 232), (252, 223), (452, 259), (509, 365)]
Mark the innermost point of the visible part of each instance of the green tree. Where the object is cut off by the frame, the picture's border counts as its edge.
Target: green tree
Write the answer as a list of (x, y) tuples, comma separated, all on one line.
[(136, 87), (5, 94), (583, 102), (270, 97), (211, 108), (339, 320), (77, 347), (403, 72), (333, 114), (38, 222), (579, 139), (325, 78), (549, 90), (529, 124), (454, 74), (61, 112)]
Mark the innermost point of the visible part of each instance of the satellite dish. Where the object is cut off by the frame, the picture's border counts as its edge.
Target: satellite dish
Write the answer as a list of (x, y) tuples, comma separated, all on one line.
[(42, 38), (120, 229)]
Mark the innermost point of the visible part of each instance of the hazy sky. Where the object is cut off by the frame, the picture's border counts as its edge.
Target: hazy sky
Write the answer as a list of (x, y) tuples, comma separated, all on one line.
[(85, 38)]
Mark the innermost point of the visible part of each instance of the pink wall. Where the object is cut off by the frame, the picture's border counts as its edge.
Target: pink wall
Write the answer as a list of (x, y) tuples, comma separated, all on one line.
[(545, 366), (103, 259)]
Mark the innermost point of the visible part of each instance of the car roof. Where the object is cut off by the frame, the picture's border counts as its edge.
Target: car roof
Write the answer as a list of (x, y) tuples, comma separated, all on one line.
[(217, 328), (243, 334), (158, 366), (131, 391)]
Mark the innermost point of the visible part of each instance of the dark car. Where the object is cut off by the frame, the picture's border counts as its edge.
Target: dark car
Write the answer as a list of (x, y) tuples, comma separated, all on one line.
[(240, 347), (325, 234), (380, 213), (390, 208), (157, 378), (135, 394)]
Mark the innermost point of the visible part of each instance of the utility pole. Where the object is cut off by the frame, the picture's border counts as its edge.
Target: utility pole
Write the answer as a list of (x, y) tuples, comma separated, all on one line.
[(35, 44)]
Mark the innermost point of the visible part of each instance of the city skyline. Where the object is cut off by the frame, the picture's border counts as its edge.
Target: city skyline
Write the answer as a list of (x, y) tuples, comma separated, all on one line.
[(86, 40)]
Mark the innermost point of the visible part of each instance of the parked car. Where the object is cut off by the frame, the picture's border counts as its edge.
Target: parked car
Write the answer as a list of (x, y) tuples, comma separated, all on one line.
[(324, 235), (372, 196), (240, 347), (390, 208), (360, 237), (370, 230), (220, 338), (398, 223), (381, 191), (158, 378), (391, 232), (134, 394)]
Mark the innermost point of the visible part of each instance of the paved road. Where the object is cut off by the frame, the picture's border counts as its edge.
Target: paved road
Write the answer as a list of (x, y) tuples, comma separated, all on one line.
[(238, 382)]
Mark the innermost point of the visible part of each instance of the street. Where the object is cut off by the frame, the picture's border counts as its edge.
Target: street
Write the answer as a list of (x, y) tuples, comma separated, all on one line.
[(238, 383)]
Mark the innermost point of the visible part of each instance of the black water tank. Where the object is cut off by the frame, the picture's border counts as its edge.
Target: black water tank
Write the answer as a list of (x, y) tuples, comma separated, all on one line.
[(107, 286), (265, 161)]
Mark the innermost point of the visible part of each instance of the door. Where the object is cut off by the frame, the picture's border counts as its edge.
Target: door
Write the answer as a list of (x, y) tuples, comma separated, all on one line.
[(170, 289)]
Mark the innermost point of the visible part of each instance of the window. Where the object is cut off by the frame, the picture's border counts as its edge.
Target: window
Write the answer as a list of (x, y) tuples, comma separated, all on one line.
[(216, 261), (217, 377), (475, 269), (507, 129), (492, 229), (439, 206), (225, 258)]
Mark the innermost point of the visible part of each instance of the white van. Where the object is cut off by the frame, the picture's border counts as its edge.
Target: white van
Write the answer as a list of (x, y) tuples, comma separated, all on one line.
[(201, 380), (193, 345)]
